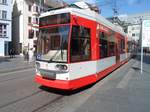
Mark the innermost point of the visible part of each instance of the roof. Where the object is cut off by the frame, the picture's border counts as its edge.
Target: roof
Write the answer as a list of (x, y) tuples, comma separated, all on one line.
[(91, 15)]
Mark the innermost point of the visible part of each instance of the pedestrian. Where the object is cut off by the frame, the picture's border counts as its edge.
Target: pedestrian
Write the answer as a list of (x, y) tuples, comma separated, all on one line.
[(31, 54), (27, 56), (13, 53), (24, 54), (10, 53)]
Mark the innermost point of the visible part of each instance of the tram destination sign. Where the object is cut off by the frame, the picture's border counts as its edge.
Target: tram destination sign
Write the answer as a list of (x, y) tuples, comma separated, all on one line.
[(63, 18), (146, 33)]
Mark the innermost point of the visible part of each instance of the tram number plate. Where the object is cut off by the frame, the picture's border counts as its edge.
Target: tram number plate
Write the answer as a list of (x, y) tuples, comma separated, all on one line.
[(49, 76)]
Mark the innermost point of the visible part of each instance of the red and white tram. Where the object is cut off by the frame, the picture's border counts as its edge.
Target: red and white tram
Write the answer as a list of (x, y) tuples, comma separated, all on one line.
[(77, 47)]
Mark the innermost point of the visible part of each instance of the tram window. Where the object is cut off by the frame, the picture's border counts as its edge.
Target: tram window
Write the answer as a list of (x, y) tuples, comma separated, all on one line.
[(122, 45), (111, 44), (129, 46), (80, 44), (103, 45)]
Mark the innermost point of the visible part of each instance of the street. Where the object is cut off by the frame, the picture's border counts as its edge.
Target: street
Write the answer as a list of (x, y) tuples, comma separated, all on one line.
[(68, 44), (124, 90)]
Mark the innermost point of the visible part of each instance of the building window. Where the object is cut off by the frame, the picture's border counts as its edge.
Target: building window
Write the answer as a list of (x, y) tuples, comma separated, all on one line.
[(41, 9), (37, 9), (0, 14), (37, 33), (103, 45), (34, 20), (37, 20), (80, 44), (29, 7), (3, 1), (133, 34), (3, 31), (31, 34), (29, 20), (4, 14)]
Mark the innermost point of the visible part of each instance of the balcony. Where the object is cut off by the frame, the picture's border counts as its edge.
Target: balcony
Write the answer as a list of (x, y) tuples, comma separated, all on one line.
[(36, 10), (35, 13)]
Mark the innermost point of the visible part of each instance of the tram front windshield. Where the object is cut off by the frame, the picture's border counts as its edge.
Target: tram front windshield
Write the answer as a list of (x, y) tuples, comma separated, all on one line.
[(53, 44)]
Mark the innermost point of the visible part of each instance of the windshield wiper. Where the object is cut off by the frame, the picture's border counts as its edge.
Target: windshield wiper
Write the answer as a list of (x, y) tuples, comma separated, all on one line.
[(54, 55), (59, 50)]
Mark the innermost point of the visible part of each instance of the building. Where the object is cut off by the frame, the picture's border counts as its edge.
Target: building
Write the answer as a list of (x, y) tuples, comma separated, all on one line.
[(5, 26), (54, 3), (25, 20), (133, 24)]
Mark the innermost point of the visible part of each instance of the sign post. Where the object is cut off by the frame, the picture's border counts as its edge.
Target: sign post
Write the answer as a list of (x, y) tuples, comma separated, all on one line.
[(141, 58), (145, 38)]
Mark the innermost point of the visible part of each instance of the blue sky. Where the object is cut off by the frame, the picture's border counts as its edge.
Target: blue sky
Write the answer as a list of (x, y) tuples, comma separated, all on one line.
[(123, 6)]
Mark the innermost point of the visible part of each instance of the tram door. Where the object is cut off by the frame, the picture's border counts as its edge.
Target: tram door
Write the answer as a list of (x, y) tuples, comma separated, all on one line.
[(118, 50)]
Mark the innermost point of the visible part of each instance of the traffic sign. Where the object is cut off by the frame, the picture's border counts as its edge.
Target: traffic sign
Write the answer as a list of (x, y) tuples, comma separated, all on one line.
[(146, 33)]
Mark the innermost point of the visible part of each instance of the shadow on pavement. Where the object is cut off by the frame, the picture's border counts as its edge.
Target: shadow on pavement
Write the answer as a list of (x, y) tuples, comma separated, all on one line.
[(146, 58), (65, 92), (138, 69)]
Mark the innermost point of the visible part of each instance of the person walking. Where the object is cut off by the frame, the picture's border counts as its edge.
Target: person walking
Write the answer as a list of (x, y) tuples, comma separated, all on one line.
[(31, 54), (10, 53), (13, 53)]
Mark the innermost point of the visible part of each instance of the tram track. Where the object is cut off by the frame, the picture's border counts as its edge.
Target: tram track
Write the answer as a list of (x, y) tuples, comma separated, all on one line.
[(48, 104), (37, 109), (20, 99), (18, 77)]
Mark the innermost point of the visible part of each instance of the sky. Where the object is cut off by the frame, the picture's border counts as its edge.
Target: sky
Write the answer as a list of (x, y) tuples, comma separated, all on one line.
[(123, 6)]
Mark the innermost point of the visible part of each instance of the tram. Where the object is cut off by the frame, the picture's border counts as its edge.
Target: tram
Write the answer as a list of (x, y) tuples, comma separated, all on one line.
[(76, 48)]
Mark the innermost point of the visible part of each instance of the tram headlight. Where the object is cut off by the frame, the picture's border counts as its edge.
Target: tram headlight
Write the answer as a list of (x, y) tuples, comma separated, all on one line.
[(61, 67)]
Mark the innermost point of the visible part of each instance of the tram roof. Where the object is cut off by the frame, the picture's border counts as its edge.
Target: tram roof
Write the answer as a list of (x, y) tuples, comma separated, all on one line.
[(91, 15)]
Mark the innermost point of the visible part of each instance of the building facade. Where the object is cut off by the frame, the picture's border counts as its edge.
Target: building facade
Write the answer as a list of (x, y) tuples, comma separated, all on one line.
[(25, 24), (5, 26), (133, 24), (25, 20)]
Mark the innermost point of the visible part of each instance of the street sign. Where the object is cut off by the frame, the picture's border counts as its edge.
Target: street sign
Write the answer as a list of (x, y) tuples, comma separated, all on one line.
[(146, 33), (145, 37)]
